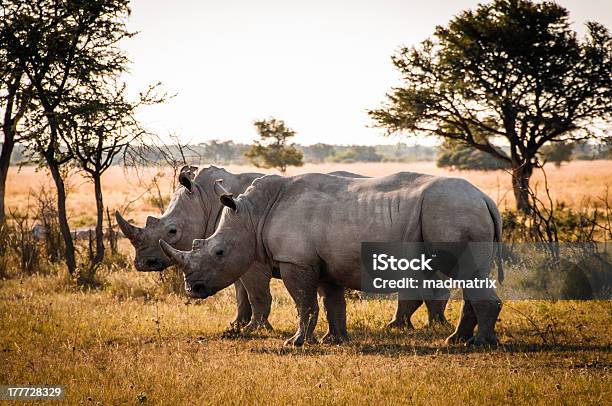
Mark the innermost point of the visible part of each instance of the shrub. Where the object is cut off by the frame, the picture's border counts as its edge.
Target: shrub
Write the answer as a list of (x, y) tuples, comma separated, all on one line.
[(454, 154), (171, 281)]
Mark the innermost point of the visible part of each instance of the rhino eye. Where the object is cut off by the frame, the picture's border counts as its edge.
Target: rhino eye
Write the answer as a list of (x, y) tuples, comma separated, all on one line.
[(219, 253), (172, 231)]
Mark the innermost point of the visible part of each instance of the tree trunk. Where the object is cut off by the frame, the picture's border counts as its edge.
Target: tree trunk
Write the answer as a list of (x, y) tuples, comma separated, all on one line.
[(521, 174), (99, 219), (5, 161), (62, 217), (112, 236)]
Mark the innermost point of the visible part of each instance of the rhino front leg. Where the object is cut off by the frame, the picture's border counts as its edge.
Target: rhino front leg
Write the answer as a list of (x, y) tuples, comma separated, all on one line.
[(435, 301), (335, 310), (403, 313), (406, 308), (435, 311), (257, 284), (244, 312), (301, 283)]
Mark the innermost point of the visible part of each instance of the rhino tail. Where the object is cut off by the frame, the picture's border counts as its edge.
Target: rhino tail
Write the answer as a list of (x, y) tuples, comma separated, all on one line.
[(497, 224)]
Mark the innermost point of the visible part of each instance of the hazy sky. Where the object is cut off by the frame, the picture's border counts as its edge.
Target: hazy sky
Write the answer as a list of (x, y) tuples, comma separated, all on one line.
[(318, 65)]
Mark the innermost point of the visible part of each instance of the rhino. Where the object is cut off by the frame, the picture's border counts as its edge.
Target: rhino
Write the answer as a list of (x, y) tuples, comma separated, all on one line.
[(193, 213), (311, 227)]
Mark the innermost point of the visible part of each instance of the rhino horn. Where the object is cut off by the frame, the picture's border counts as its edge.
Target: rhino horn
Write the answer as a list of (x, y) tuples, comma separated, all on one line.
[(178, 257), (130, 231)]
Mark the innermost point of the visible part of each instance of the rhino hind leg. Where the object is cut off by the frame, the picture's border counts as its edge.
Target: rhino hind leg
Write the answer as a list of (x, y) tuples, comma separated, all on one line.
[(301, 283), (486, 314), (404, 311), (335, 310), (465, 328), (244, 311)]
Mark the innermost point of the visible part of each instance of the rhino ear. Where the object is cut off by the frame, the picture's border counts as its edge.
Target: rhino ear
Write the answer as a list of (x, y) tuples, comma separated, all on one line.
[(190, 170), (185, 181), (228, 201), (226, 198), (187, 175), (151, 221)]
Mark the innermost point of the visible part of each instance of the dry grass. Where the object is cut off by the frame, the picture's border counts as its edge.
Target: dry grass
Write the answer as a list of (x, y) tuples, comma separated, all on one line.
[(572, 183), (107, 348)]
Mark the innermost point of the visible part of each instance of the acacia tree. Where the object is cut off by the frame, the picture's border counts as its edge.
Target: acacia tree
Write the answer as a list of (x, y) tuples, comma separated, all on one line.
[(272, 149), (511, 70), (14, 104), (15, 96), (102, 125), (61, 46)]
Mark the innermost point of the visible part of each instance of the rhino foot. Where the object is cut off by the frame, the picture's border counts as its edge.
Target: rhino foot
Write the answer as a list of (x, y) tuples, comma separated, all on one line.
[(237, 324), (481, 341), (298, 340), (231, 332), (456, 338), (334, 339), (400, 324), (437, 321), (257, 325), (295, 341)]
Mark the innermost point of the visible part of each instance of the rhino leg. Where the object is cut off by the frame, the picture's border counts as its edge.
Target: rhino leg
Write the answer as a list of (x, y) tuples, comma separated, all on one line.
[(435, 301), (335, 310), (244, 312), (465, 328), (404, 311), (435, 310), (257, 284), (486, 314), (301, 283)]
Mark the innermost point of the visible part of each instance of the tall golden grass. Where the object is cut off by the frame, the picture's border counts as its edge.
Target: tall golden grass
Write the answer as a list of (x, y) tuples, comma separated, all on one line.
[(577, 183)]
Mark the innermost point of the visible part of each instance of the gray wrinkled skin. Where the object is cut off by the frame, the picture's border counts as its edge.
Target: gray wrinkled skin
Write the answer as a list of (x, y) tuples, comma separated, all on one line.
[(311, 227)]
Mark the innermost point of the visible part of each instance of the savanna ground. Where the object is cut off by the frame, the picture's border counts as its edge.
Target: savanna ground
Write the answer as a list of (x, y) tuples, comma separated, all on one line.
[(132, 342)]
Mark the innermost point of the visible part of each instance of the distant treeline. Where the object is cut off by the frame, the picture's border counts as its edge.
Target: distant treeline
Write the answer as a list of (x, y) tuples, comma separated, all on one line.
[(228, 152)]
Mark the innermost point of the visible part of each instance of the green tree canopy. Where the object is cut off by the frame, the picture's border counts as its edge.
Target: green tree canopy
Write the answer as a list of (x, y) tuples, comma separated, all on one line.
[(510, 70), (272, 150)]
